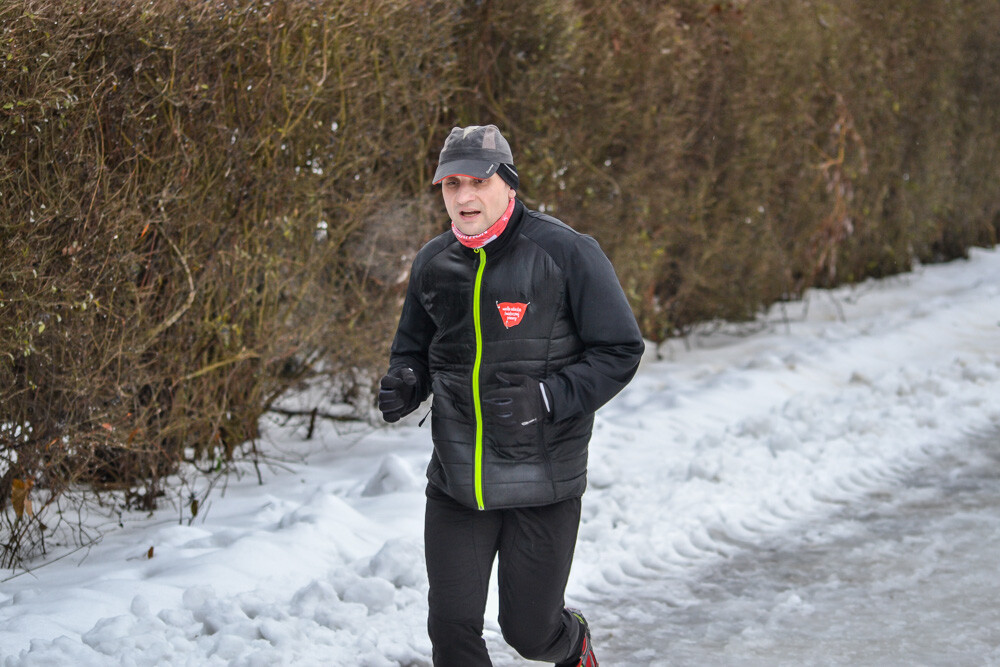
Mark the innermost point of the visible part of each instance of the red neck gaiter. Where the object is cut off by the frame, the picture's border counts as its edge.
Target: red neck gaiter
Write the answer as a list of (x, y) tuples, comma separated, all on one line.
[(492, 232)]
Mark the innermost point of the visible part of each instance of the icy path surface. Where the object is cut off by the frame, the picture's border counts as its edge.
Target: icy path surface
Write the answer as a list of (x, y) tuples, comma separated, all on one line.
[(907, 576)]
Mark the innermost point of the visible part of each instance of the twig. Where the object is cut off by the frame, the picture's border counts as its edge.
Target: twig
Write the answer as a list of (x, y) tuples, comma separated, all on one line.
[(170, 321), (242, 356), (54, 560), (312, 414)]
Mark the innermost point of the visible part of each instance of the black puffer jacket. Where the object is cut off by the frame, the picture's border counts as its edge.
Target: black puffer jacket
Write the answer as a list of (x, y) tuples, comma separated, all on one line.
[(541, 300)]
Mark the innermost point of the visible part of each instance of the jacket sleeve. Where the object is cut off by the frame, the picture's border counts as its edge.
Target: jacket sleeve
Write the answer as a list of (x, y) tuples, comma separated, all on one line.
[(606, 325), (413, 338)]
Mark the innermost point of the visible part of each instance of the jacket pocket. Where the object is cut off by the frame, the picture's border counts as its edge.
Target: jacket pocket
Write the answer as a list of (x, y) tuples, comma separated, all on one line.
[(525, 443)]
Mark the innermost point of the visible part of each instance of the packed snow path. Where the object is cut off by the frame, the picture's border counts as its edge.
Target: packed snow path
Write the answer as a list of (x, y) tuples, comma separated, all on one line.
[(905, 576), (732, 442)]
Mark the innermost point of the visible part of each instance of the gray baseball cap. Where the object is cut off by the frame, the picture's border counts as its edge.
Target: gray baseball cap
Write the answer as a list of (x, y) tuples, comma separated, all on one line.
[(476, 151)]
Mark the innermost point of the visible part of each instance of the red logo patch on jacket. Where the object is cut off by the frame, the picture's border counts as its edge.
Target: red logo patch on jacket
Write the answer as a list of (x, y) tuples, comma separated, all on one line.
[(511, 313)]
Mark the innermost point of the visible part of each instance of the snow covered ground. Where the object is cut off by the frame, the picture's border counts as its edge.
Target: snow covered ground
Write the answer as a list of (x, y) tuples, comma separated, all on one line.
[(730, 440)]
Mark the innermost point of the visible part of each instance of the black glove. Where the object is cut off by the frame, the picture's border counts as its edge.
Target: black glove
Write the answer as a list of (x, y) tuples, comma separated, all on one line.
[(397, 393), (519, 401)]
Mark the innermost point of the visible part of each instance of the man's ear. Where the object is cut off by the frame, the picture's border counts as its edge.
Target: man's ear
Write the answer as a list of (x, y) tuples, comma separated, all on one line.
[(511, 193)]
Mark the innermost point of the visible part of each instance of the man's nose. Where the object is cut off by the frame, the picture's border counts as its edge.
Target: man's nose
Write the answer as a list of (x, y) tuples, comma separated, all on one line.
[(466, 193)]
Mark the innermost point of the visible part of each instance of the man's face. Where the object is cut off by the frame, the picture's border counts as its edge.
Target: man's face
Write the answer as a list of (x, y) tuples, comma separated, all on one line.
[(473, 204)]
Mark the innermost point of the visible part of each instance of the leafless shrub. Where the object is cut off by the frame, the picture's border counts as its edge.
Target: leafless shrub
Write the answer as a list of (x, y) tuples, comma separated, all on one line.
[(185, 185)]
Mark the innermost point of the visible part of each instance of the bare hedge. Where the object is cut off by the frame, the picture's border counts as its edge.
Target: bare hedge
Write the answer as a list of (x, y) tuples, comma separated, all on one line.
[(203, 204)]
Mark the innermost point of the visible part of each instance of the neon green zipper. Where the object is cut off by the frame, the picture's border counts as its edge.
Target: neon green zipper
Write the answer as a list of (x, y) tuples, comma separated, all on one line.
[(476, 399)]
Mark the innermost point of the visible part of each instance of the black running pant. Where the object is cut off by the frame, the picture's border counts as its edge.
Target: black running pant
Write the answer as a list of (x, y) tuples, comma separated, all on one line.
[(535, 547)]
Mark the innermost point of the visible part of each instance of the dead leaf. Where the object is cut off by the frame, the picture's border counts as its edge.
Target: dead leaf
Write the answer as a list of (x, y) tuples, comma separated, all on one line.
[(19, 496)]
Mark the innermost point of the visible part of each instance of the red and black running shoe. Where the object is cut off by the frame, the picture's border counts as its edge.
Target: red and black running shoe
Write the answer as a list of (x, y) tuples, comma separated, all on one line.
[(587, 657)]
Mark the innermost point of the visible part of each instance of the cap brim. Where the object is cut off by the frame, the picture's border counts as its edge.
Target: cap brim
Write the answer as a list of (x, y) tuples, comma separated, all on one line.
[(471, 168)]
